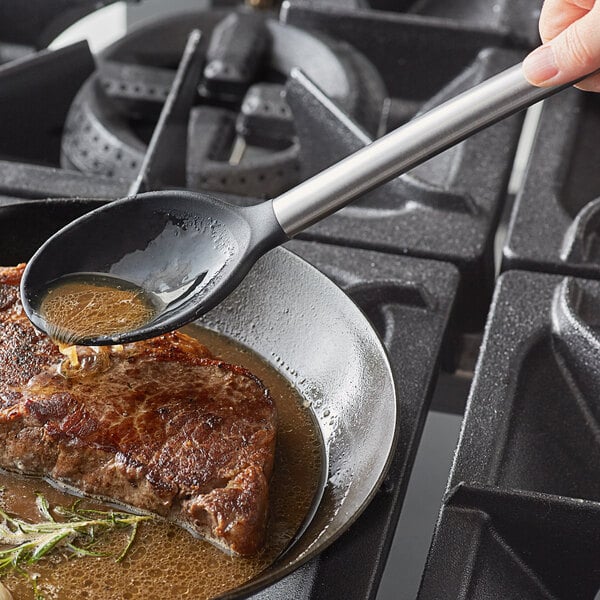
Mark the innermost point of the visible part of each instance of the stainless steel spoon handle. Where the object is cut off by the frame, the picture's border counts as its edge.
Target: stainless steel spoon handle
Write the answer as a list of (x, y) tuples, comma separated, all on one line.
[(406, 147)]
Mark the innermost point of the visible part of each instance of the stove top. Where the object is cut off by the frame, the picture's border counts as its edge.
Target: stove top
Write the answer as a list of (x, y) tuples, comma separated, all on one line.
[(278, 99), (245, 103)]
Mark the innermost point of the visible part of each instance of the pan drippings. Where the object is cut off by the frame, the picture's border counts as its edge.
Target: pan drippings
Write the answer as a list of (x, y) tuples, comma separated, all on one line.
[(165, 560), (82, 306)]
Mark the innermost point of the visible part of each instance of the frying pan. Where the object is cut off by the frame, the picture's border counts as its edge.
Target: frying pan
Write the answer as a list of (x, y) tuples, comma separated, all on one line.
[(297, 320)]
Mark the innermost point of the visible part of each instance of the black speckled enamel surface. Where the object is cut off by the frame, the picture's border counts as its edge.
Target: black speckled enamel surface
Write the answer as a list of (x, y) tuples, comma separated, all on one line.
[(556, 217), (520, 518)]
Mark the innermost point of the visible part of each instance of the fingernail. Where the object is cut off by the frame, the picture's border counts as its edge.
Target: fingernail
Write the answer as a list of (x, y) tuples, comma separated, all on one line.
[(539, 66)]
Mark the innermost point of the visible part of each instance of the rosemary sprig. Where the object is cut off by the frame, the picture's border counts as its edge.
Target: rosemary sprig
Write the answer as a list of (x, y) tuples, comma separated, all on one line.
[(23, 544)]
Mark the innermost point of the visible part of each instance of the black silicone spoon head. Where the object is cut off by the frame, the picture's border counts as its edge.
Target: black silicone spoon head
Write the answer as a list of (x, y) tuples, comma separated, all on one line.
[(186, 251)]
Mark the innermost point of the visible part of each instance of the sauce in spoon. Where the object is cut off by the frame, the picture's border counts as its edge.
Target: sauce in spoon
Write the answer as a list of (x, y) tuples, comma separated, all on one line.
[(90, 305)]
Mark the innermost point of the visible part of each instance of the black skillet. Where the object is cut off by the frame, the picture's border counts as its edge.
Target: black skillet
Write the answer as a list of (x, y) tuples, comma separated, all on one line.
[(311, 332)]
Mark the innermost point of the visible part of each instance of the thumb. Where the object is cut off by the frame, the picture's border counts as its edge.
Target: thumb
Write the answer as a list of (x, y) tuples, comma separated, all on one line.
[(572, 54)]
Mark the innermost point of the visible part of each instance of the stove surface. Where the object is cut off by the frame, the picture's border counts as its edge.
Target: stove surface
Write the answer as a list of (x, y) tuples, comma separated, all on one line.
[(421, 256)]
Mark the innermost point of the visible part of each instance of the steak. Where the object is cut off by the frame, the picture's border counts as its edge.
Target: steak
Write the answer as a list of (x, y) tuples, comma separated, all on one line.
[(160, 425)]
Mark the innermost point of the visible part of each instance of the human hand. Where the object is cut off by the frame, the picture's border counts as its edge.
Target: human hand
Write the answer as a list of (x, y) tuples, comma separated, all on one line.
[(570, 32)]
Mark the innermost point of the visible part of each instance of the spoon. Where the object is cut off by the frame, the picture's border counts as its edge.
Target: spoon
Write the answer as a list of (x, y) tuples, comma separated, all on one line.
[(188, 251)]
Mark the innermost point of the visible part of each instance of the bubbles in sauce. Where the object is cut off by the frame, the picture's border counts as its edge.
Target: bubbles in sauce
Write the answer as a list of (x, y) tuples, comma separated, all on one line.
[(83, 306), (166, 561)]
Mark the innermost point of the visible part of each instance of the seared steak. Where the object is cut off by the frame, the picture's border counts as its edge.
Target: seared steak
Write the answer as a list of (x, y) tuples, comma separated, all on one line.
[(160, 425)]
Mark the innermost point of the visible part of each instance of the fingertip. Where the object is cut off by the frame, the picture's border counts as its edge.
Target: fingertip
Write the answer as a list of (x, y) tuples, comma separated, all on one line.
[(540, 66)]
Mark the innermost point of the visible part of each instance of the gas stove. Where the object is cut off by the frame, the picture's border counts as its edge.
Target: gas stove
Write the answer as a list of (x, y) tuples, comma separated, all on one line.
[(278, 98), (245, 101)]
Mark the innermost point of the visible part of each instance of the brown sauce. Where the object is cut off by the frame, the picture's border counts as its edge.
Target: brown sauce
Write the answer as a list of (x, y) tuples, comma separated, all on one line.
[(166, 561), (78, 307)]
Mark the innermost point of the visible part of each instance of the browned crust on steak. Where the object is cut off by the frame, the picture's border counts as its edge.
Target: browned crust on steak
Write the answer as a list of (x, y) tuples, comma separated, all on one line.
[(159, 424)]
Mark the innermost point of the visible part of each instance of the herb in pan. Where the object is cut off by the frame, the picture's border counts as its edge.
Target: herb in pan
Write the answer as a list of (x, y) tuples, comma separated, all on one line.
[(76, 534)]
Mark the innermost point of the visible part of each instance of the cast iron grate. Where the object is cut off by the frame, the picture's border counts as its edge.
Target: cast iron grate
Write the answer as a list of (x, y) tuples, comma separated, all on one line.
[(519, 519), (37, 92), (555, 222), (446, 209), (449, 208), (513, 21), (35, 23)]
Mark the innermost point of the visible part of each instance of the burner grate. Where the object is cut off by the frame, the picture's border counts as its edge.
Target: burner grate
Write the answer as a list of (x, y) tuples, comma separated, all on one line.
[(511, 21), (256, 105), (554, 226), (36, 94), (36, 23), (523, 491), (446, 209)]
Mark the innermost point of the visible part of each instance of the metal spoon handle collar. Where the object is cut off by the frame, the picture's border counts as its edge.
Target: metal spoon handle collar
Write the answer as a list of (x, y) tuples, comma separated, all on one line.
[(407, 147)]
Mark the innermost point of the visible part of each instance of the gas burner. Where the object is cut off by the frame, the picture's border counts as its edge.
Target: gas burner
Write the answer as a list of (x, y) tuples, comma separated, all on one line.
[(241, 132)]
